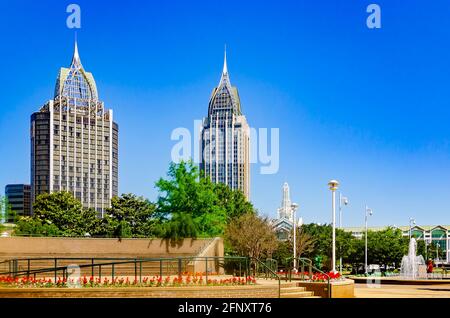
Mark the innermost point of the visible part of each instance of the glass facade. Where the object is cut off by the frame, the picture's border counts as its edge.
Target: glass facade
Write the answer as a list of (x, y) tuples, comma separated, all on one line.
[(19, 199)]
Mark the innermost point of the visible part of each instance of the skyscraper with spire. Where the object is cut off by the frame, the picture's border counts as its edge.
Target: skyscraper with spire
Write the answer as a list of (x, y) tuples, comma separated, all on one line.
[(285, 211), (225, 138), (74, 141), (284, 223)]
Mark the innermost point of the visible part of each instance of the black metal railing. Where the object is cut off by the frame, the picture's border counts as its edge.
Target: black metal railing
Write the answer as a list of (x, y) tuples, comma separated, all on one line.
[(260, 268), (235, 265), (141, 267), (272, 264)]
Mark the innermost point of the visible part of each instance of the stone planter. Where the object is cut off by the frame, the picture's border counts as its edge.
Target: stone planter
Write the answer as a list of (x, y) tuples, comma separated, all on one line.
[(339, 289)]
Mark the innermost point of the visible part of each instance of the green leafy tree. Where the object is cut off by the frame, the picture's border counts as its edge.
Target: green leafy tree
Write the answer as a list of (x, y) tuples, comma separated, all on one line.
[(283, 252), (66, 212), (180, 226), (30, 226), (387, 247), (233, 201), (6, 212), (189, 205), (131, 216), (421, 249), (433, 251), (346, 244), (323, 242), (60, 210)]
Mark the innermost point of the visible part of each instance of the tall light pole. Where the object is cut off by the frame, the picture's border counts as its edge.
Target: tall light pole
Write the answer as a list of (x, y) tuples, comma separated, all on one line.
[(333, 184), (294, 208), (368, 212), (342, 201), (411, 222), (437, 252)]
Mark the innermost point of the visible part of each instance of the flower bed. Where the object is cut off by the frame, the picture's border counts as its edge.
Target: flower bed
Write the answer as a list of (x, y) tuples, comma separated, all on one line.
[(315, 277), (156, 281)]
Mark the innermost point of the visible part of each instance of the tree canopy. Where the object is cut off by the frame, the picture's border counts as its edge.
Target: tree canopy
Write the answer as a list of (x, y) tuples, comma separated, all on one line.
[(131, 216), (187, 206), (66, 213), (190, 206), (251, 235)]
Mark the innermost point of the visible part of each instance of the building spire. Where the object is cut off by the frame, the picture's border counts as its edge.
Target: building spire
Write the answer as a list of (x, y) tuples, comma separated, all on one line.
[(76, 57), (225, 68), (225, 78)]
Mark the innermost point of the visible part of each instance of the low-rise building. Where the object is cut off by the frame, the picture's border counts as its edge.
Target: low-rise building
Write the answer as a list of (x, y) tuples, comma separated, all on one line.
[(18, 197)]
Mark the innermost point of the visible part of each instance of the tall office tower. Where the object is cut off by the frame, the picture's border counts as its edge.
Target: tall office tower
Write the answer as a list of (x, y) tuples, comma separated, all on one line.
[(225, 138), (18, 197), (285, 211), (74, 142)]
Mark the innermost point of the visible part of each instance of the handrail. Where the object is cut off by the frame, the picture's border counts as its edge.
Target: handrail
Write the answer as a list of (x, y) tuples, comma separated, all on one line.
[(302, 269), (271, 271), (304, 260), (272, 263)]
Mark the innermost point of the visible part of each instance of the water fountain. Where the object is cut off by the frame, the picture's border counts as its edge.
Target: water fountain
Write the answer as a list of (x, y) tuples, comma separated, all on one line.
[(411, 262)]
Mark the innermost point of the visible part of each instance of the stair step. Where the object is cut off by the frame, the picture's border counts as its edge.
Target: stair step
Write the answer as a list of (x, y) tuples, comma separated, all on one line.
[(301, 294), (286, 285), (292, 289)]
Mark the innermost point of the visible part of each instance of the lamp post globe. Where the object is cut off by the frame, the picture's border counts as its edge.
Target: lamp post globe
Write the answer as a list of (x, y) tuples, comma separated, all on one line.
[(333, 184)]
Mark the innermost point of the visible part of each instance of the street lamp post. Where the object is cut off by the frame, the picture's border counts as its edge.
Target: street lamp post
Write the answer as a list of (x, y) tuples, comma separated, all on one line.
[(411, 220), (333, 184), (294, 208), (342, 200), (368, 212), (437, 252)]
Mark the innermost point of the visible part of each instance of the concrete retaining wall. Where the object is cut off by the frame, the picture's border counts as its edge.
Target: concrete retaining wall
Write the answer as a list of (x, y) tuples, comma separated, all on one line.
[(27, 247)]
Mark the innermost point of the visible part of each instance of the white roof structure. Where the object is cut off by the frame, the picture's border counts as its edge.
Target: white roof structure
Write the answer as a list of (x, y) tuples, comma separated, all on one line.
[(75, 83)]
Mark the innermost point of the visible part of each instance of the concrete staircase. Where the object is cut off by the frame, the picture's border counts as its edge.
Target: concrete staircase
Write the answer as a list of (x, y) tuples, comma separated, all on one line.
[(291, 290)]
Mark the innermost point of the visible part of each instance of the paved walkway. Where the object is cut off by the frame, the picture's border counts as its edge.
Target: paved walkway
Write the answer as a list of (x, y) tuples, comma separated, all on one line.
[(402, 291)]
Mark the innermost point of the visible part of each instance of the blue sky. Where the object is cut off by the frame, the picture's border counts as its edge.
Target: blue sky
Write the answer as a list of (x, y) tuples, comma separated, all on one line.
[(367, 107)]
